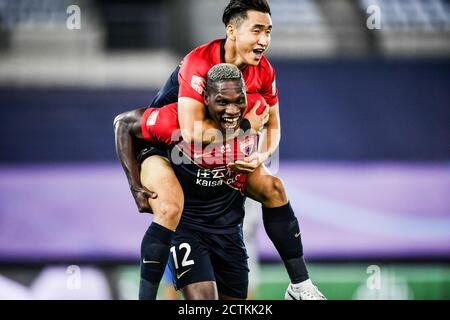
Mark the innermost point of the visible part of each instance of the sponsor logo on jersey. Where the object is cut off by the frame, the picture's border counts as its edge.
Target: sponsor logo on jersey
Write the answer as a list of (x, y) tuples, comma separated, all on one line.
[(151, 120), (225, 148), (150, 261), (201, 155), (198, 84)]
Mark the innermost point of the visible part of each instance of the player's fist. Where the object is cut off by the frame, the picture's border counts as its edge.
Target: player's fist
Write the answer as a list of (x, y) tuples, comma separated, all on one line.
[(141, 196), (258, 116), (249, 164)]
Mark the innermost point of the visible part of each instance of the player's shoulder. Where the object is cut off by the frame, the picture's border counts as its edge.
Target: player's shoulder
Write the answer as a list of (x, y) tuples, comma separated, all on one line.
[(206, 52), (200, 60)]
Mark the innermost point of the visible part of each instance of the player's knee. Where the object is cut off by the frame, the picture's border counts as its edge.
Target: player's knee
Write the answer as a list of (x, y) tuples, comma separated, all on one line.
[(275, 190), (206, 290), (170, 211)]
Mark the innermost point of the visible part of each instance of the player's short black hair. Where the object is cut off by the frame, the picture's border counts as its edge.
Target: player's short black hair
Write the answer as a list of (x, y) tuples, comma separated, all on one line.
[(237, 9)]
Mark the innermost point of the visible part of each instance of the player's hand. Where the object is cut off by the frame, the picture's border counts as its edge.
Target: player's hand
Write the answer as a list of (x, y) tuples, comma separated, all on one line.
[(257, 121), (141, 196), (249, 164)]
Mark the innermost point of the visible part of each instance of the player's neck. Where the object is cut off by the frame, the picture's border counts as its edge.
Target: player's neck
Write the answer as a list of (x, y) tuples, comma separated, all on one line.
[(231, 55)]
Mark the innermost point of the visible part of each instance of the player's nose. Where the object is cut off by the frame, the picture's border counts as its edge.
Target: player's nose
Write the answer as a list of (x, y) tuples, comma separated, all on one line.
[(233, 110), (264, 40)]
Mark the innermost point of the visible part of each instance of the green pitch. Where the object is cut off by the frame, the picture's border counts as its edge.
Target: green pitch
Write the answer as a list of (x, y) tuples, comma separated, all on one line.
[(340, 281)]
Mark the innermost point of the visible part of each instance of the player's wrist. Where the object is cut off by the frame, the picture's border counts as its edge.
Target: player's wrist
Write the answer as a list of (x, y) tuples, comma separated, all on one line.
[(245, 125), (265, 155)]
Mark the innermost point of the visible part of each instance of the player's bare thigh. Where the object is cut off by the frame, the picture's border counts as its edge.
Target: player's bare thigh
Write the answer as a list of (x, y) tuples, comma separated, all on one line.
[(225, 297), (158, 176), (266, 188), (205, 290)]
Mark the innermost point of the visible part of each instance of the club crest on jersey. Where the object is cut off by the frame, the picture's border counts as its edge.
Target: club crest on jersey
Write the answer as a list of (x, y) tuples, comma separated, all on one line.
[(247, 146), (198, 84), (151, 120)]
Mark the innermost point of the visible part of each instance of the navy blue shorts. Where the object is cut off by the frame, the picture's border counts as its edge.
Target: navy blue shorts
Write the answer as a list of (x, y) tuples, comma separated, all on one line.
[(157, 149), (197, 256)]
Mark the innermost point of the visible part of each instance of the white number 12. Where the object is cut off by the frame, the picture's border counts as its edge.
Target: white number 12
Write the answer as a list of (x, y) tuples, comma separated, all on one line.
[(185, 261)]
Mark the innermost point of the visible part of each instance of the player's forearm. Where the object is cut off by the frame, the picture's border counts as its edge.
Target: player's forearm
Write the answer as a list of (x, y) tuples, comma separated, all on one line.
[(270, 139), (199, 132), (125, 149)]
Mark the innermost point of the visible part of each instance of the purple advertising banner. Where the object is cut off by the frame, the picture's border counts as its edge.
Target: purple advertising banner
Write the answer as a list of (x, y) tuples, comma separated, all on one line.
[(369, 210), (345, 210)]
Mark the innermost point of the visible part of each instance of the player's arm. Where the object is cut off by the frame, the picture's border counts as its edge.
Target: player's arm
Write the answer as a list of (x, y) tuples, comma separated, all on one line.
[(272, 134), (196, 127), (127, 131)]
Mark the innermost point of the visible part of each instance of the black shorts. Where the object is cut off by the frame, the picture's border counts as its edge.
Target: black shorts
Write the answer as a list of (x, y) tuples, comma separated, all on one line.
[(197, 256), (153, 150)]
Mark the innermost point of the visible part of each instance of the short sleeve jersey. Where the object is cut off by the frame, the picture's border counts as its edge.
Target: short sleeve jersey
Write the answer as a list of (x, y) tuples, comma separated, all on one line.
[(213, 193), (195, 66)]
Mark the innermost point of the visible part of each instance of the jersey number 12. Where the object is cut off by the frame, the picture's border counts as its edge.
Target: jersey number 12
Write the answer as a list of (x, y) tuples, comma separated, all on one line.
[(185, 262)]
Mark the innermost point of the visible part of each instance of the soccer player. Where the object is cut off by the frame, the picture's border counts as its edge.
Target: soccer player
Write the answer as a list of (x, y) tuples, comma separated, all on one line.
[(208, 257), (155, 186)]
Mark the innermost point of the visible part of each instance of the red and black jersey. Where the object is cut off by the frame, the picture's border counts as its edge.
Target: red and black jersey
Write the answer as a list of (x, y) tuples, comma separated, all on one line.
[(161, 125), (213, 193)]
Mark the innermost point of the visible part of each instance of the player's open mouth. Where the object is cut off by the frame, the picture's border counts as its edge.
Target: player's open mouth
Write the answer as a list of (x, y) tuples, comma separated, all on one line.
[(258, 53), (230, 122)]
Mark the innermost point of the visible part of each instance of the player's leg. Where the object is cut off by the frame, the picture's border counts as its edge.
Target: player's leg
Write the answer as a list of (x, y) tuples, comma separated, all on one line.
[(168, 93), (205, 290), (265, 188), (191, 266), (250, 227), (225, 297), (168, 291), (229, 259), (280, 222), (157, 175)]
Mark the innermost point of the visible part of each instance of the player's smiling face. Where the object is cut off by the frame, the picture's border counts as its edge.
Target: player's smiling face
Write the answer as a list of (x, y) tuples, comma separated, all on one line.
[(253, 37), (226, 104)]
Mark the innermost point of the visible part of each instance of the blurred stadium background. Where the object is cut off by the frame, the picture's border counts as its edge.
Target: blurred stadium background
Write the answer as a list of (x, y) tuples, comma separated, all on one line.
[(364, 154)]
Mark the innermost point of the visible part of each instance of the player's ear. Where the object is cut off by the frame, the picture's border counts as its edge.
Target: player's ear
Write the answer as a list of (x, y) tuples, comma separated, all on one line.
[(231, 32)]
